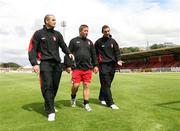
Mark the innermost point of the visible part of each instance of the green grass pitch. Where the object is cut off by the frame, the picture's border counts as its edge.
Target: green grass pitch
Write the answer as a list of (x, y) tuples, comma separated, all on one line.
[(147, 101)]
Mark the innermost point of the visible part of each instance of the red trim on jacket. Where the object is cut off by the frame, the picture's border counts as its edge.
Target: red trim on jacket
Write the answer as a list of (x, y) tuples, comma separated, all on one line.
[(39, 55), (100, 58)]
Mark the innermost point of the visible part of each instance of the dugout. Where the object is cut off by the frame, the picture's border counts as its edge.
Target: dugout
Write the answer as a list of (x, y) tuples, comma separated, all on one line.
[(158, 59)]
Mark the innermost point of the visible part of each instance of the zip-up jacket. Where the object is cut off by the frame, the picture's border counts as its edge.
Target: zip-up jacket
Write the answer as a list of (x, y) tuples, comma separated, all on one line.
[(44, 45), (84, 52), (107, 50)]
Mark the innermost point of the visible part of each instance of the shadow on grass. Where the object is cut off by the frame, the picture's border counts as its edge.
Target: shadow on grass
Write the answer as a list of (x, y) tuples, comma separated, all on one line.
[(67, 103), (39, 107), (79, 102), (36, 107), (95, 101), (170, 105), (62, 103)]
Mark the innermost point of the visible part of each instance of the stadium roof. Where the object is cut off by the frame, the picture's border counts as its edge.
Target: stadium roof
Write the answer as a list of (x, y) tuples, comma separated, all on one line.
[(155, 52)]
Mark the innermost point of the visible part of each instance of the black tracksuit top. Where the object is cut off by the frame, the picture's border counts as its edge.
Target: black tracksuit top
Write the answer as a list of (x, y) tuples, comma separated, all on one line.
[(84, 52), (44, 45), (107, 50)]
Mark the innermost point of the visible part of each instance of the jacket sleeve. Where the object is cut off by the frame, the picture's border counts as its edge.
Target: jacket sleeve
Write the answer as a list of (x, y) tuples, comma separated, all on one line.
[(96, 47), (63, 45), (67, 61), (93, 55), (117, 51), (33, 49)]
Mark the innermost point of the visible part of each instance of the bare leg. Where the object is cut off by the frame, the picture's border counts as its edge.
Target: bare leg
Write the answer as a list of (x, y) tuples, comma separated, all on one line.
[(74, 88), (86, 91), (86, 95)]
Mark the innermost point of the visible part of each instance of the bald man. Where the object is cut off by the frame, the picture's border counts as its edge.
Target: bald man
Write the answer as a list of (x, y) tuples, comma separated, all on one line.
[(44, 46)]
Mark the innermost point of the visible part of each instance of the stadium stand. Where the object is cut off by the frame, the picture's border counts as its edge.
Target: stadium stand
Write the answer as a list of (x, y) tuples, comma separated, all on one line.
[(164, 59)]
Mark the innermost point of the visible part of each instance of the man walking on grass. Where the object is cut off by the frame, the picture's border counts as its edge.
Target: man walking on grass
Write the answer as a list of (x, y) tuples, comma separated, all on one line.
[(108, 54), (44, 46), (85, 61)]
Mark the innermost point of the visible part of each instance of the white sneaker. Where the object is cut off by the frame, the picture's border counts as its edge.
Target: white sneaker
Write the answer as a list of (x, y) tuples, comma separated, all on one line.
[(113, 106), (56, 110), (73, 102), (87, 107), (51, 117), (103, 102)]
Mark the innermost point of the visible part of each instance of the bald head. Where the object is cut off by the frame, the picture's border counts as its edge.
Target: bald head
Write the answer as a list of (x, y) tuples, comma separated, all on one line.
[(50, 21), (47, 17)]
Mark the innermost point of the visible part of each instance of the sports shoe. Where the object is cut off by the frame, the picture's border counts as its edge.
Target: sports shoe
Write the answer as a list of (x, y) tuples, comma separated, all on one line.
[(103, 102), (87, 107), (113, 106), (51, 117), (73, 102)]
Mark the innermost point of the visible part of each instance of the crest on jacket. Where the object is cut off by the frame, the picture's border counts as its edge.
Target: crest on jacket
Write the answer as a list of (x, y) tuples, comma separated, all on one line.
[(54, 38), (111, 45)]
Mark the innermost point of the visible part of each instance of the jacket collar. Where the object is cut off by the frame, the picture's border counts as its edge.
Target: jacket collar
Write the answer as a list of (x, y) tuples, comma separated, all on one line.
[(106, 38), (82, 38), (45, 28)]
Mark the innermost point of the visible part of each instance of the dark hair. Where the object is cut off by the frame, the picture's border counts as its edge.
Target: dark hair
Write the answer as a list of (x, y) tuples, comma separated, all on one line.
[(104, 27), (46, 17), (82, 27)]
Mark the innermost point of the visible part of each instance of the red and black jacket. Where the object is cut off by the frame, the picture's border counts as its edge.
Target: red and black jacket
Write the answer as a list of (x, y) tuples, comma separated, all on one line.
[(107, 50), (44, 45), (84, 52)]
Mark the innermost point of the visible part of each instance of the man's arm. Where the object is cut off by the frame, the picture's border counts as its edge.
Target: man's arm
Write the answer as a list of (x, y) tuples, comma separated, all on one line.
[(67, 61), (63, 45), (32, 52), (117, 53), (94, 58)]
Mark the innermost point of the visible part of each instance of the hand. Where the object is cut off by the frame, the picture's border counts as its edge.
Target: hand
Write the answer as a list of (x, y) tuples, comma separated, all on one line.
[(95, 70), (69, 70), (120, 63), (71, 56), (36, 69)]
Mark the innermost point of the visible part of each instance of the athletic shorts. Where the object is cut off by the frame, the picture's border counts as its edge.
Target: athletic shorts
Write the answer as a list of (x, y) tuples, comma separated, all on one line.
[(81, 75)]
